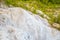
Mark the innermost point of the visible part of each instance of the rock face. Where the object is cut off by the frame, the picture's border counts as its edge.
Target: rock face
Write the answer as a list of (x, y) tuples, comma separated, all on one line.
[(19, 24)]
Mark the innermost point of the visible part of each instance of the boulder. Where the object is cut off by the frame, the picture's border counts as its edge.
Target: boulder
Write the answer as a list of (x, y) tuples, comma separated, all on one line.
[(18, 24)]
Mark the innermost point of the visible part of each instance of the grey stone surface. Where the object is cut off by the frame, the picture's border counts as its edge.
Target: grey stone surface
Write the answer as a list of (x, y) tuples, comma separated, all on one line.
[(18, 24)]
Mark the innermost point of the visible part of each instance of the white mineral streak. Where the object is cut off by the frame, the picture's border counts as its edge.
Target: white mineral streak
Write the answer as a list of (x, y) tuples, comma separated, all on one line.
[(18, 24)]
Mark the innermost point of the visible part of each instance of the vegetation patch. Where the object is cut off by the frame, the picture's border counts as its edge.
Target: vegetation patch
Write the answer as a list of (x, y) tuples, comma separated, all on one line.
[(50, 7)]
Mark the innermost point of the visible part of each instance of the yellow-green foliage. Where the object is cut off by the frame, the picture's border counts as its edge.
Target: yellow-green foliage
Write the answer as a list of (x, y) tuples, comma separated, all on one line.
[(49, 7)]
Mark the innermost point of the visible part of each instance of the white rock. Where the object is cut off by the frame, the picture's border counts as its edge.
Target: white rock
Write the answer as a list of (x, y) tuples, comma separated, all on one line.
[(18, 24)]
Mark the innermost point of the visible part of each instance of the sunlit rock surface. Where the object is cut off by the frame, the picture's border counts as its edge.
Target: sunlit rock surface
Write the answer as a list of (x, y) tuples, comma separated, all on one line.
[(18, 24)]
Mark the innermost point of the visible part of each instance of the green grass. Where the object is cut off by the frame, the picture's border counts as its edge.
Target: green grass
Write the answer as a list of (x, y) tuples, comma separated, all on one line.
[(49, 9)]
